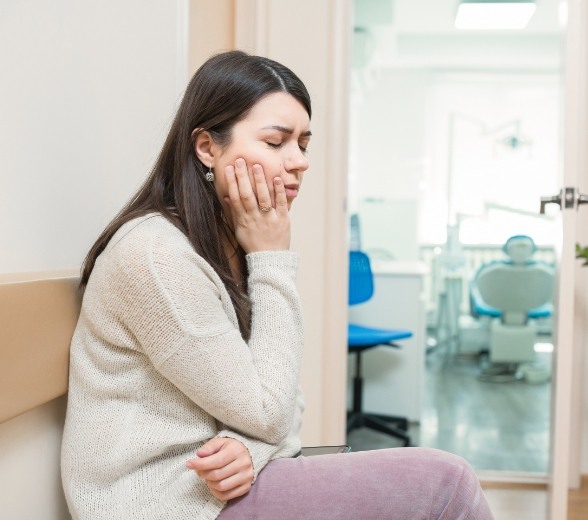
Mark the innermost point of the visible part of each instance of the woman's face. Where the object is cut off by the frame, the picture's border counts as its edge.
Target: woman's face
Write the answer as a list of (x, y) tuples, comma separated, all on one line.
[(275, 135)]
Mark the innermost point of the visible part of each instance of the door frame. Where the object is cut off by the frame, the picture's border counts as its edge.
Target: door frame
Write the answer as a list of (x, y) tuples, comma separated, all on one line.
[(565, 401)]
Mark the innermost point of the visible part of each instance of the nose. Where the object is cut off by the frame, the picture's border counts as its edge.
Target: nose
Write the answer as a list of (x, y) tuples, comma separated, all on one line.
[(296, 161)]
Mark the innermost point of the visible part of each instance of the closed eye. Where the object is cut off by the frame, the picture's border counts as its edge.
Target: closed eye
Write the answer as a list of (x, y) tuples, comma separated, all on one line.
[(303, 147), (303, 144)]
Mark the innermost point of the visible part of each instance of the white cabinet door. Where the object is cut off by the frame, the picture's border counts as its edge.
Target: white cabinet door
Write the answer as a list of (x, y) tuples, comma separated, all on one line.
[(394, 378)]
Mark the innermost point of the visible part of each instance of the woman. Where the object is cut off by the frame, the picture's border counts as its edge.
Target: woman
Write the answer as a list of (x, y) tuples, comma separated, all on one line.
[(190, 337)]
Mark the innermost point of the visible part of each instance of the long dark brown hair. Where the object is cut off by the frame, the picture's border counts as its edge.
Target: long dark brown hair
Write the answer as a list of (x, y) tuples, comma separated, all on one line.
[(221, 93)]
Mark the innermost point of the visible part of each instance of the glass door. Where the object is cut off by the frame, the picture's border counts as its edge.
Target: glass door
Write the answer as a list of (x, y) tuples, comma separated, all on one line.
[(455, 136)]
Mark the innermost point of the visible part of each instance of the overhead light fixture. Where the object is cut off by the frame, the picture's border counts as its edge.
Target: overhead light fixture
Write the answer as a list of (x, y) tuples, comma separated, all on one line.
[(494, 14)]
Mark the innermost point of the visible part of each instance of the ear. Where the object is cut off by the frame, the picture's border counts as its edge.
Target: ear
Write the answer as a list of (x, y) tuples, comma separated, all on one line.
[(204, 146)]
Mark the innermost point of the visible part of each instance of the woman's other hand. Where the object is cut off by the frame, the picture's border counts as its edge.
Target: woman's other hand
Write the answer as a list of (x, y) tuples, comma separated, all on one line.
[(226, 466), (260, 225)]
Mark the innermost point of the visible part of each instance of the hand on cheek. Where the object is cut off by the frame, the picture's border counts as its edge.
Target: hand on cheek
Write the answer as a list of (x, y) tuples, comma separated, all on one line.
[(260, 217)]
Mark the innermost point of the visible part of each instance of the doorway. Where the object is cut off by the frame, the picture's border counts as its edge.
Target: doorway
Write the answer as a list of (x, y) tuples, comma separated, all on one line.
[(455, 136)]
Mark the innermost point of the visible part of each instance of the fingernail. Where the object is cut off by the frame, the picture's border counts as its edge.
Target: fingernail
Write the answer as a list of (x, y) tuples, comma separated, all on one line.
[(240, 163), (277, 180)]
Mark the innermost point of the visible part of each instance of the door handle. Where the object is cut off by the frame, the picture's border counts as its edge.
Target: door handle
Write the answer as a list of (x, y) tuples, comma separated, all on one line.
[(565, 199), (555, 199)]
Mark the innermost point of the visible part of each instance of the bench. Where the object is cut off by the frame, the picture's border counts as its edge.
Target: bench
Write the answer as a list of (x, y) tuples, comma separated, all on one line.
[(38, 314)]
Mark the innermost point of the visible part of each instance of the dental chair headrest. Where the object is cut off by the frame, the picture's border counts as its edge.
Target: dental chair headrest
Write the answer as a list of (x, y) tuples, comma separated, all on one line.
[(520, 248)]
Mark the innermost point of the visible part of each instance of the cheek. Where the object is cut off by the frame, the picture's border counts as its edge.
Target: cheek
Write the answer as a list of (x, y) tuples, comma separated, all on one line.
[(220, 184), (271, 169), (274, 170)]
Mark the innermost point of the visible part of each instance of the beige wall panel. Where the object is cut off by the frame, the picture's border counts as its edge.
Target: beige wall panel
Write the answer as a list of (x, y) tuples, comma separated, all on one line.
[(211, 29)]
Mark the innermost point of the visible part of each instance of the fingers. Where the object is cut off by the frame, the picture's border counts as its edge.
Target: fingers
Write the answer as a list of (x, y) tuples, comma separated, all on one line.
[(235, 473), (233, 189), (226, 466), (280, 195), (212, 446), (263, 193), (248, 198), (205, 464), (230, 481), (232, 493), (246, 192), (219, 453)]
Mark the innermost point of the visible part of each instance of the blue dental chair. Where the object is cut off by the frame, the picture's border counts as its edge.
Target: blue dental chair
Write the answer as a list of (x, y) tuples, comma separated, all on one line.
[(513, 293), (362, 338)]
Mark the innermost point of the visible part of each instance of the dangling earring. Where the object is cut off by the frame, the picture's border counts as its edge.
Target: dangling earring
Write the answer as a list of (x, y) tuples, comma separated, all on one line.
[(210, 174)]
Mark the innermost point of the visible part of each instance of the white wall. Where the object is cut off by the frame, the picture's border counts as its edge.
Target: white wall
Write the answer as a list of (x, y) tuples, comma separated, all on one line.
[(406, 121), (87, 93), (388, 151), (390, 148)]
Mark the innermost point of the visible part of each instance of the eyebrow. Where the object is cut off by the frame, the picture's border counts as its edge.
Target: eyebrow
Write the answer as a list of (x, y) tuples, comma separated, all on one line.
[(285, 130)]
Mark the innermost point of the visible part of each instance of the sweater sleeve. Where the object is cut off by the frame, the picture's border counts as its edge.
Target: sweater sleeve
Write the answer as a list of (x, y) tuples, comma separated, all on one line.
[(261, 452), (184, 323)]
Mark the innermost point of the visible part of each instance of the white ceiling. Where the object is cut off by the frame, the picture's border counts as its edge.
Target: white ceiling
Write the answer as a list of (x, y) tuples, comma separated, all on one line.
[(426, 16), (421, 33)]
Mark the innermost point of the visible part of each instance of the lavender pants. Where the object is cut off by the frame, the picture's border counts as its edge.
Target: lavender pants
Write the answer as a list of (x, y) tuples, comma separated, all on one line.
[(391, 484)]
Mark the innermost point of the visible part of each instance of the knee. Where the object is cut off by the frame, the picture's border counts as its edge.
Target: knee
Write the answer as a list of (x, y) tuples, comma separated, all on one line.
[(455, 469), (460, 487), (442, 472)]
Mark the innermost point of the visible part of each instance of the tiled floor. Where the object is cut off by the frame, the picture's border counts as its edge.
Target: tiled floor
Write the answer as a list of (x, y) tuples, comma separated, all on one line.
[(495, 426)]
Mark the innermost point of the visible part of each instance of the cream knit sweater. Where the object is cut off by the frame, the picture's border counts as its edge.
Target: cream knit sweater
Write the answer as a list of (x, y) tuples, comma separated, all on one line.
[(158, 367)]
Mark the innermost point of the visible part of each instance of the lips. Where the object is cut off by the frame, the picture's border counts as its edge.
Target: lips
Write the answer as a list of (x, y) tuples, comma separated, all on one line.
[(291, 191)]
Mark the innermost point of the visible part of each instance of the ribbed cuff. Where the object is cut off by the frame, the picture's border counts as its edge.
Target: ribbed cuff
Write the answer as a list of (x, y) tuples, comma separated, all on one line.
[(288, 259)]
